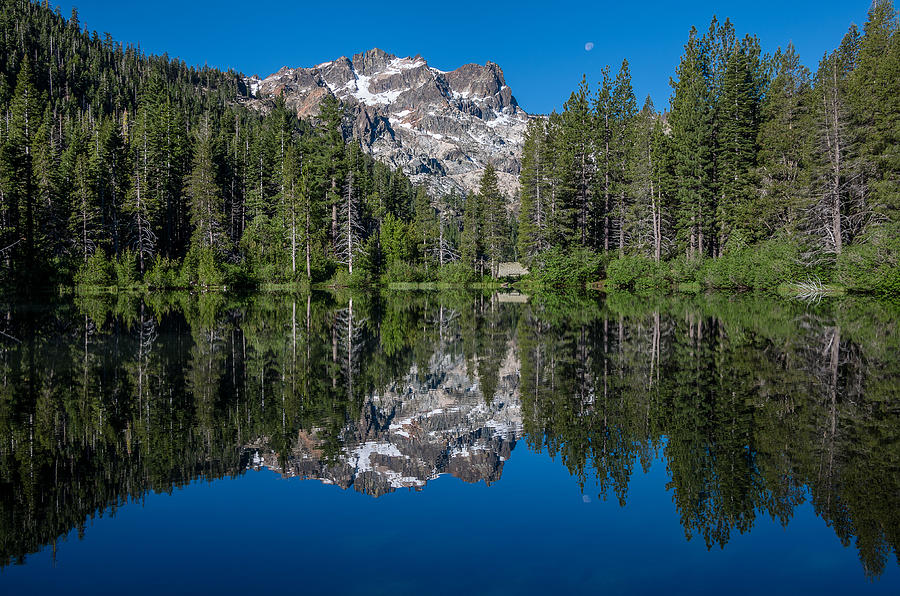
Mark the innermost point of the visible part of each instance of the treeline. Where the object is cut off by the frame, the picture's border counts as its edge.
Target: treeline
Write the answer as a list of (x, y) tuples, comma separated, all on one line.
[(759, 173)]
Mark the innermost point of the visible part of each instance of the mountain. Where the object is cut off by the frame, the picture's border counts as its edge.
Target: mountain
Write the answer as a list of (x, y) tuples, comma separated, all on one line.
[(418, 428), (440, 127)]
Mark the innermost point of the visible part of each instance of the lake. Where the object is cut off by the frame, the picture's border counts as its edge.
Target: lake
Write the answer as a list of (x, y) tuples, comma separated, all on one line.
[(447, 442)]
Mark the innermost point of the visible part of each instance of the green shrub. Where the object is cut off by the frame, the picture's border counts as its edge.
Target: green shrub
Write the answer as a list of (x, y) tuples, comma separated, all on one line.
[(96, 272), (456, 273), (401, 271), (208, 271), (162, 274), (238, 277), (126, 270), (339, 279), (762, 266), (577, 266), (872, 265), (200, 268), (368, 264), (685, 271), (636, 273)]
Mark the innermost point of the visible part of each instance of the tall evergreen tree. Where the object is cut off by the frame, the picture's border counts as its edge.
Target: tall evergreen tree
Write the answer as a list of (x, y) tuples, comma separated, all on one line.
[(141, 206), (624, 148), (873, 91), (493, 212), (19, 185), (350, 217), (642, 223), (206, 203), (737, 114), (835, 209), (534, 221), (331, 115), (783, 144), (577, 135), (472, 242), (604, 112), (84, 221), (691, 120)]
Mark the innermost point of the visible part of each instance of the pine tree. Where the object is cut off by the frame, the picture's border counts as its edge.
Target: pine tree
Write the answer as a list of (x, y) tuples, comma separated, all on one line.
[(690, 119), (783, 139), (577, 135), (472, 241), (425, 227), (661, 188), (493, 212), (623, 152), (351, 229), (19, 185), (50, 213), (737, 114), (873, 93), (294, 207), (534, 220), (205, 197), (141, 205), (835, 209), (447, 235), (560, 213), (84, 222), (331, 115), (644, 212), (605, 117), (110, 157)]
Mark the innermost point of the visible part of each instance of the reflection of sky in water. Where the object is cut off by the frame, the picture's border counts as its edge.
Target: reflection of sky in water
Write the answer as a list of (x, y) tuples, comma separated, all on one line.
[(528, 533)]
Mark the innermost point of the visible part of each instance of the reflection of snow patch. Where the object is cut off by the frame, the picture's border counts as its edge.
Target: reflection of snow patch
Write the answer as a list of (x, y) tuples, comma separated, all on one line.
[(363, 454)]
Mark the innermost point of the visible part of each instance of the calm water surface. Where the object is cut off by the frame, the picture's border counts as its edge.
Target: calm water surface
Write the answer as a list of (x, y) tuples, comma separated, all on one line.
[(448, 442)]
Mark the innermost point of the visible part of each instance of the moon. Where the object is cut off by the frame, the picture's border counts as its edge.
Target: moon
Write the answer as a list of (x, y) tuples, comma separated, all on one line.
[(589, 46)]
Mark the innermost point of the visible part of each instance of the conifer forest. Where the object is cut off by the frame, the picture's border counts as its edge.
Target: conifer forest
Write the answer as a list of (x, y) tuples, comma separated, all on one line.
[(125, 169)]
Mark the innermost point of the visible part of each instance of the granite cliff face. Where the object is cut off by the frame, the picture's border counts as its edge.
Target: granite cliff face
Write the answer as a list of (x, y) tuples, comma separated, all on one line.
[(419, 428), (440, 127)]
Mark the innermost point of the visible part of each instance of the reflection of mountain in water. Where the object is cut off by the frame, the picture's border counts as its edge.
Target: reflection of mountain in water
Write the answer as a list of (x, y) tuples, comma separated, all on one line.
[(756, 405), (420, 427)]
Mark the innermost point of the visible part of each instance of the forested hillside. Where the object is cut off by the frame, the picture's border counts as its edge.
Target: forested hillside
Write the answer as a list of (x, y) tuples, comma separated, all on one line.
[(759, 173), (118, 167)]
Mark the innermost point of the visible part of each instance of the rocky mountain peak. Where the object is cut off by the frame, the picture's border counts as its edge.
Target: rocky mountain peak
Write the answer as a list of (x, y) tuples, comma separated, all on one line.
[(440, 127)]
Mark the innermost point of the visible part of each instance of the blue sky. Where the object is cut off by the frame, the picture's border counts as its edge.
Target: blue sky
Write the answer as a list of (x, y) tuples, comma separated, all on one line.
[(539, 45)]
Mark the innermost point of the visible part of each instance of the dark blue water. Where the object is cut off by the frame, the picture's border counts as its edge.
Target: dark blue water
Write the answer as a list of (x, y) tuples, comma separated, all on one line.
[(718, 509), (532, 532)]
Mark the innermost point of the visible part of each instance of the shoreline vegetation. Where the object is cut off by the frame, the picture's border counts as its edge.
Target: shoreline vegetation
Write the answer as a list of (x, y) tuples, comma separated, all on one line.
[(127, 172)]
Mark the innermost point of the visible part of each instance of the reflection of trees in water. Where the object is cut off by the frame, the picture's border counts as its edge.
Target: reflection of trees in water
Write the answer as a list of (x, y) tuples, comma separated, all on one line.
[(102, 404), (755, 404)]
